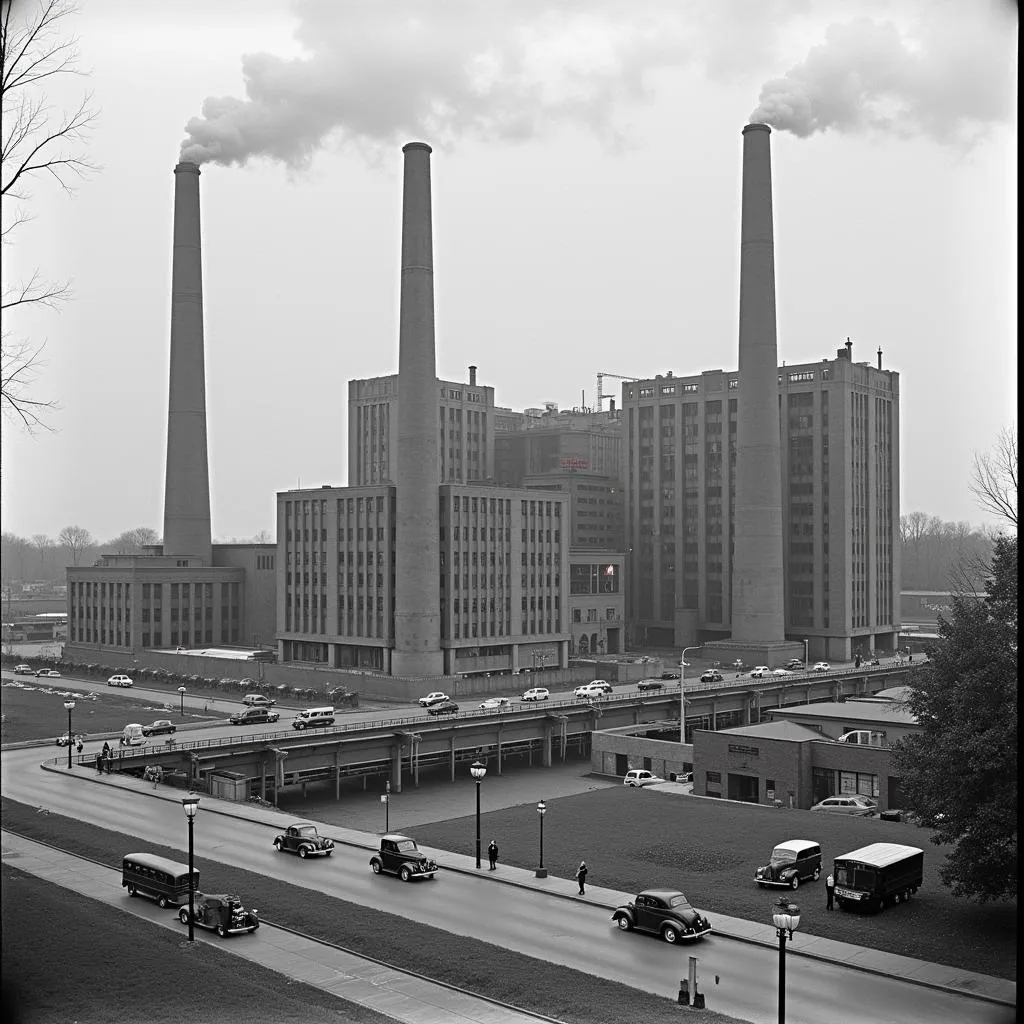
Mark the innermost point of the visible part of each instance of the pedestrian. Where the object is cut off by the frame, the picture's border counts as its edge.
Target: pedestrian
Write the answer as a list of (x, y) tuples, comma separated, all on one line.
[(99, 763), (830, 890), (79, 744), (581, 876), (492, 854)]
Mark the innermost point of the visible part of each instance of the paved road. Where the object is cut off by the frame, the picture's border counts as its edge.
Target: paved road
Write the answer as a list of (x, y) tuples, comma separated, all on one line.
[(574, 932)]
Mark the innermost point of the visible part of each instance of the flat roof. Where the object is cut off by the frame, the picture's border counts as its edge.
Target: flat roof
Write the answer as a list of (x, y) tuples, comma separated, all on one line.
[(215, 652), (880, 855), (780, 730), (876, 712)]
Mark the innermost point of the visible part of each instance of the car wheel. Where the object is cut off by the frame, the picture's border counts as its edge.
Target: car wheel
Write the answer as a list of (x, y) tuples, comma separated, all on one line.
[(131, 890), (222, 931), (624, 923), (405, 874), (817, 873), (794, 882), (670, 935), (300, 726), (183, 915), (162, 902), (898, 898), (303, 852), (376, 866), (277, 845)]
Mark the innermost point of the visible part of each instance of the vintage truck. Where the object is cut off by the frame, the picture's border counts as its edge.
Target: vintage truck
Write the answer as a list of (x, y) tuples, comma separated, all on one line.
[(222, 913), (878, 874)]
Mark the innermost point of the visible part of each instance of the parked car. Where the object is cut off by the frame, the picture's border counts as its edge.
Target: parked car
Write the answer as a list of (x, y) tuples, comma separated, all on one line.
[(663, 912), (650, 684), (120, 680), (302, 838), (24, 670), (399, 855), (638, 777), (433, 698), (795, 665), (448, 707), (258, 700), (822, 666), (536, 693), (760, 671), (222, 913), (496, 704), (48, 673), (711, 676), (161, 725), (253, 716), (790, 864), (850, 804)]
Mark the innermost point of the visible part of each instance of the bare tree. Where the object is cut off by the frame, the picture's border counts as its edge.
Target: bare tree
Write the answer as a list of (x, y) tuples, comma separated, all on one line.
[(42, 544), (131, 541), (994, 480), (36, 142), (76, 539), (263, 537)]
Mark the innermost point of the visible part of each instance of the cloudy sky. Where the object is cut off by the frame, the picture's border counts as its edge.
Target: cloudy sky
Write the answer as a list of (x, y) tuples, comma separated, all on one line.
[(586, 218)]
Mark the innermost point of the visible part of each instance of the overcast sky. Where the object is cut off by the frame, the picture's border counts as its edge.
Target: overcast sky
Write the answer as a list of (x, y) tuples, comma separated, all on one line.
[(586, 177)]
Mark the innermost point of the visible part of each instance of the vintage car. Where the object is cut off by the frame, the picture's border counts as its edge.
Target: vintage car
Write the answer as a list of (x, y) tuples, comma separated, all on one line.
[(258, 700), (664, 912), (302, 838), (400, 856), (711, 676), (433, 698), (448, 707), (48, 673), (251, 716), (496, 704), (24, 670), (650, 684), (222, 913), (62, 741), (639, 777), (791, 863), (161, 725), (120, 680)]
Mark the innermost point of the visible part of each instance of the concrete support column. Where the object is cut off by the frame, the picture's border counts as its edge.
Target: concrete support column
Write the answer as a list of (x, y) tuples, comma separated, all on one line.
[(546, 745), (337, 775), (451, 754), (396, 768), (563, 652)]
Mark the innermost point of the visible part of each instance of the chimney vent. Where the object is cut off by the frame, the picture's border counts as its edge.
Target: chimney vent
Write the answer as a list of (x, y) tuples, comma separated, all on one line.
[(472, 376), (611, 406), (849, 350), (879, 356)]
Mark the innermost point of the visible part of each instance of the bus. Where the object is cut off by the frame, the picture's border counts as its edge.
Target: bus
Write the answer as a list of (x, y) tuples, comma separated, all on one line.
[(163, 880)]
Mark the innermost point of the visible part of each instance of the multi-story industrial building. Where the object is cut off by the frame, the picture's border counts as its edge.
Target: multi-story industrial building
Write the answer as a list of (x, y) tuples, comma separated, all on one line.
[(503, 568), (465, 430), (839, 431)]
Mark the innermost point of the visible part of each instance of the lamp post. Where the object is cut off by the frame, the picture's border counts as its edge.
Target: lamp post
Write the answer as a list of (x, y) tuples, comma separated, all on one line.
[(387, 806), (541, 811), (478, 771), (807, 661), (682, 692), (69, 704), (786, 917), (191, 805), (181, 694)]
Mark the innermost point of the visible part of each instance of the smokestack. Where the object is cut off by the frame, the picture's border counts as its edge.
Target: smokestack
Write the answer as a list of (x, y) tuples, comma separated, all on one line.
[(849, 350), (472, 376), (187, 485), (611, 405), (879, 356), (757, 571), (417, 649)]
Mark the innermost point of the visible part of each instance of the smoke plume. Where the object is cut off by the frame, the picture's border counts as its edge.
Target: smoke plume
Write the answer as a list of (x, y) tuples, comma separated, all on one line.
[(949, 79)]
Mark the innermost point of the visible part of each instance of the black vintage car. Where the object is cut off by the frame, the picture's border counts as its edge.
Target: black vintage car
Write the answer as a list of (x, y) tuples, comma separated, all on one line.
[(400, 856), (664, 912), (222, 913), (446, 707), (253, 716), (650, 684), (303, 839)]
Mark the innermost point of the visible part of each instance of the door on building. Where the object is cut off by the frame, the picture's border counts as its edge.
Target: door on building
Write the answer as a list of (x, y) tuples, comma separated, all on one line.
[(615, 641), (895, 793), (621, 764), (744, 787)]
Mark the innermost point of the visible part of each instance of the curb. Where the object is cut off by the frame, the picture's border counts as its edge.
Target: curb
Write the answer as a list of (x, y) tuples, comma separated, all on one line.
[(473, 872)]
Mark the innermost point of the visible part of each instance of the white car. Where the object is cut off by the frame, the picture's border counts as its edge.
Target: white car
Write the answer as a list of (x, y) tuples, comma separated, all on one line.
[(598, 688), (437, 697), (120, 680), (639, 777), (760, 671), (496, 704), (822, 666), (537, 693), (781, 672)]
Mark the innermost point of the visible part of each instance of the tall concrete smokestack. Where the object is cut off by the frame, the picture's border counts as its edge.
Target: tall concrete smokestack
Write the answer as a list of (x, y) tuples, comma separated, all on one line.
[(758, 614), (187, 484), (417, 559)]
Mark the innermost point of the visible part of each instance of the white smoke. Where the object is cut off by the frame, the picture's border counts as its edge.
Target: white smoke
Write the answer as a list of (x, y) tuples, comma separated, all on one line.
[(950, 77)]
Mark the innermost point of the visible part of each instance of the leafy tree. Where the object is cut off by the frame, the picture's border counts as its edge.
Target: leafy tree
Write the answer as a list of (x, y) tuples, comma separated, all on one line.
[(960, 773)]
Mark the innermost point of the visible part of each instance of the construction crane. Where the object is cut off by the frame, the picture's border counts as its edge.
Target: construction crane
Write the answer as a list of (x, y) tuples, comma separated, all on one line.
[(601, 396)]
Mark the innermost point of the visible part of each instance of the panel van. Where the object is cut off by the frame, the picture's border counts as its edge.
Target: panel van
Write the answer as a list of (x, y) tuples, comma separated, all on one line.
[(313, 718), (163, 880)]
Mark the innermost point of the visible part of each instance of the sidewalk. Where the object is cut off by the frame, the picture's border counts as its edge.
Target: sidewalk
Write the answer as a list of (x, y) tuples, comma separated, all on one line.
[(405, 997), (938, 976)]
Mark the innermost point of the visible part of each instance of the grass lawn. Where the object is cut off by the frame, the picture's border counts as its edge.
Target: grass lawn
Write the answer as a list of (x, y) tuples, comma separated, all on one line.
[(154, 976), (635, 839), (35, 712), (567, 995)]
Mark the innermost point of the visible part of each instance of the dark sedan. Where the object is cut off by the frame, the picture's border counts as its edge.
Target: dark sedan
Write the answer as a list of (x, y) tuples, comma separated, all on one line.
[(253, 716), (650, 684), (664, 912), (161, 725), (447, 707)]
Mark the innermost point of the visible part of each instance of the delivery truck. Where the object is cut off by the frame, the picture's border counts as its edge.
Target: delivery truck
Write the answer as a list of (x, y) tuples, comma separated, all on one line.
[(876, 875)]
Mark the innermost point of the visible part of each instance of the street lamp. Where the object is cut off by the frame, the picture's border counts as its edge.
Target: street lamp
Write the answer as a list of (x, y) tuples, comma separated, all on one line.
[(806, 659), (682, 691), (541, 811), (191, 805), (478, 771), (181, 693), (69, 704), (387, 805), (786, 917)]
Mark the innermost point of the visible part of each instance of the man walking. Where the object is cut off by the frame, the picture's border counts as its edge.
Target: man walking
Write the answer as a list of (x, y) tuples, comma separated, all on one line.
[(492, 854), (830, 889), (581, 876)]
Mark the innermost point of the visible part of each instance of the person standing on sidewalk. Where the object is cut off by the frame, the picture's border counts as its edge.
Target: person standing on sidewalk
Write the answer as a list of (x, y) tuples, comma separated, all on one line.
[(492, 854), (581, 876), (830, 889)]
